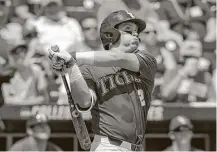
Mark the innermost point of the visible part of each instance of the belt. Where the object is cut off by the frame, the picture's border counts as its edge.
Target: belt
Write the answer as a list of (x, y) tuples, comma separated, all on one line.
[(117, 142)]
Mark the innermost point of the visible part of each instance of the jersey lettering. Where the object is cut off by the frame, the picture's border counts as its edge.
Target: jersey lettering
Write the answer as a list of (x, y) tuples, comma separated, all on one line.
[(111, 82), (108, 83), (126, 77), (118, 79), (103, 86)]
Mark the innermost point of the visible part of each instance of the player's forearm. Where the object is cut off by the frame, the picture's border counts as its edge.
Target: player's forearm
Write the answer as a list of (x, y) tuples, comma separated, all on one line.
[(79, 89), (109, 59)]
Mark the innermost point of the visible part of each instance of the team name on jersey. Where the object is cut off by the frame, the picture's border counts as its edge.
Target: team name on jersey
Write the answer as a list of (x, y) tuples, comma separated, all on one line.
[(110, 82)]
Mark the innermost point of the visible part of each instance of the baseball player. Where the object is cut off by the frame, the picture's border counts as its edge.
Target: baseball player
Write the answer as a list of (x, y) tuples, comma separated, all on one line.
[(116, 84), (38, 131), (181, 134)]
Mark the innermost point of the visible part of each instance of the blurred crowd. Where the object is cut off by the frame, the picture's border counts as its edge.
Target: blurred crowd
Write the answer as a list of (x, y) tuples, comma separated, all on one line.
[(38, 134), (180, 34)]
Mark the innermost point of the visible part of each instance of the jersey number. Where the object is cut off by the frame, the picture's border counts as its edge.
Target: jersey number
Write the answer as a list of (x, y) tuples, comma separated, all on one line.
[(141, 97)]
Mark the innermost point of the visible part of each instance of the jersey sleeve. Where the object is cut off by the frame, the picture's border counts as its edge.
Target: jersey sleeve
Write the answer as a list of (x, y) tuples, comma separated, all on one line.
[(148, 65)]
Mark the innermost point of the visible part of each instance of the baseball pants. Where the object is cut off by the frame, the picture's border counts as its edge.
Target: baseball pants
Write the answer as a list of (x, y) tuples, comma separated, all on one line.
[(102, 143)]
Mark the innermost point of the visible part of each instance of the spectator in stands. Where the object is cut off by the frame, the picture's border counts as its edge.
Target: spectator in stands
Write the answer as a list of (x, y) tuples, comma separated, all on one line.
[(52, 27), (38, 131), (185, 15), (5, 72), (92, 40), (211, 23), (212, 6), (28, 84), (55, 28), (191, 81), (181, 133), (5, 11), (12, 32), (163, 26), (9, 31), (163, 54), (27, 9), (209, 44)]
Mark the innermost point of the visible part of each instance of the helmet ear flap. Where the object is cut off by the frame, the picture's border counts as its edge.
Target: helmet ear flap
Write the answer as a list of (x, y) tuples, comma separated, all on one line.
[(109, 35)]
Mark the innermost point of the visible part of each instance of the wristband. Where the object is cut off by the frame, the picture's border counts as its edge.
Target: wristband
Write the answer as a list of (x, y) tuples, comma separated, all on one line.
[(82, 109), (88, 108)]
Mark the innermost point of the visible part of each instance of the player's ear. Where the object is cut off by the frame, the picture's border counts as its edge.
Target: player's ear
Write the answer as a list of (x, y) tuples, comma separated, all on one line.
[(29, 131), (171, 135)]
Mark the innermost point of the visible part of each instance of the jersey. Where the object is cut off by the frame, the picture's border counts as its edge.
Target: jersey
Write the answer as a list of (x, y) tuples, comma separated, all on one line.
[(123, 98), (29, 144)]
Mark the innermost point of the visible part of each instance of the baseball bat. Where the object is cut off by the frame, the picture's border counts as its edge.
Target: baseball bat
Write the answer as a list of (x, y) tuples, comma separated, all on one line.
[(78, 121)]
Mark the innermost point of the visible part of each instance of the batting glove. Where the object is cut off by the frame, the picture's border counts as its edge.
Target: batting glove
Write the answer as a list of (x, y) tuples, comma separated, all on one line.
[(61, 61)]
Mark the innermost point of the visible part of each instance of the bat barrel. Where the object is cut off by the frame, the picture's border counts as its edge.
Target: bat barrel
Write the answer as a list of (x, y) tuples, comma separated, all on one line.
[(78, 121)]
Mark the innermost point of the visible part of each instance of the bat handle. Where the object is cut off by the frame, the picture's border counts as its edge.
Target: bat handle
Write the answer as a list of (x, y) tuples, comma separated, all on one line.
[(72, 107), (66, 85), (73, 110)]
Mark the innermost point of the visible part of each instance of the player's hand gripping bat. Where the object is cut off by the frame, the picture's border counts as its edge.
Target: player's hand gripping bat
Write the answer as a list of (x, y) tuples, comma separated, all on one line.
[(78, 121)]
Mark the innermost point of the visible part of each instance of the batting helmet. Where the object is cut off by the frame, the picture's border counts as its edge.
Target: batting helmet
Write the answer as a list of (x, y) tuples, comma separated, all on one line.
[(109, 33), (179, 121), (38, 118)]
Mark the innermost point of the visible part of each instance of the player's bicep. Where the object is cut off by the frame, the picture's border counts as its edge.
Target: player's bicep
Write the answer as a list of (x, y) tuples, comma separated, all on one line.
[(147, 66), (130, 62)]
